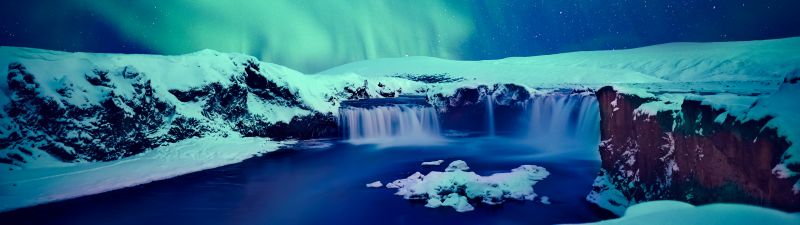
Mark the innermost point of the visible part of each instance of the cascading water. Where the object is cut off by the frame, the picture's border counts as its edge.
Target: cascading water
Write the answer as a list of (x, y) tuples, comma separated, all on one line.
[(490, 115), (392, 121), (560, 120)]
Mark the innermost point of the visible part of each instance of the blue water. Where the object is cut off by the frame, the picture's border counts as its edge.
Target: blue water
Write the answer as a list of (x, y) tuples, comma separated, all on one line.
[(323, 182)]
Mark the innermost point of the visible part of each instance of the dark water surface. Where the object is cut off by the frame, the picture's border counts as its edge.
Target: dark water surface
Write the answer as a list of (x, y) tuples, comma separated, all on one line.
[(323, 182)]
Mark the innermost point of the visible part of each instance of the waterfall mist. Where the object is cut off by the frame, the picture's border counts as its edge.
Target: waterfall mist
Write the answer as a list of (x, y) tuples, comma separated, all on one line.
[(564, 120), (490, 128), (389, 123)]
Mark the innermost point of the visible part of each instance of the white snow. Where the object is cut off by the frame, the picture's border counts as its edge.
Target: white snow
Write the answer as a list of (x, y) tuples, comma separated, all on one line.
[(607, 196), (60, 181), (733, 104), (683, 62), (375, 184), (784, 107), (54, 68), (665, 102), (458, 165), (433, 163), (272, 112), (736, 105), (673, 212), (458, 202), (455, 187)]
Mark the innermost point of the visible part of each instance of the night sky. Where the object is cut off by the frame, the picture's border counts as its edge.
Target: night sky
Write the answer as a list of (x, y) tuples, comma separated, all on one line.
[(312, 35)]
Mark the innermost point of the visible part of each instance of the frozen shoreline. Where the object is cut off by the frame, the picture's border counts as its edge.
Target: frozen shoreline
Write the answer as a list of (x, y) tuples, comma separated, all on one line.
[(60, 181)]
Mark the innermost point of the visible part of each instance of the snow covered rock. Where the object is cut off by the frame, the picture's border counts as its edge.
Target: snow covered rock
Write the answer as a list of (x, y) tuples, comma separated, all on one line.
[(674, 212), (456, 187), (470, 103), (79, 107), (458, 165), (458, 202), (783, 108), (687, 150)]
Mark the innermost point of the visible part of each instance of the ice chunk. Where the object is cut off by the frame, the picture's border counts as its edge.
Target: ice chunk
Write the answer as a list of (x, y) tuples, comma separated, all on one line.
[(458, 165), (414, 178), (455, 187), (545, 200), (433, 163), (375, 184)]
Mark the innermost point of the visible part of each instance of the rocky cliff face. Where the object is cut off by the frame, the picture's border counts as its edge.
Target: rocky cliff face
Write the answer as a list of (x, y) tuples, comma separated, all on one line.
[(694, 154), (470, 104), (124, 115)]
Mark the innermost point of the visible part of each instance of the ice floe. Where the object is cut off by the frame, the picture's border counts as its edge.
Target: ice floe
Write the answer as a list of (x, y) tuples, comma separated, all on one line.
[(433, 163), (456, 187), (375, 184), (545, 200)]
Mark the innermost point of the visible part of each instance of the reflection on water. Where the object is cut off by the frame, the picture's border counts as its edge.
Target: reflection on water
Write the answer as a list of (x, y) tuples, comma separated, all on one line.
[(316, 182)]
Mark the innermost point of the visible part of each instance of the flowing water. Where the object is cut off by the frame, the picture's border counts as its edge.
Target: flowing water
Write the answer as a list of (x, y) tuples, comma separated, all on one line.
[(375, 124), (571, 119), (490, 115)]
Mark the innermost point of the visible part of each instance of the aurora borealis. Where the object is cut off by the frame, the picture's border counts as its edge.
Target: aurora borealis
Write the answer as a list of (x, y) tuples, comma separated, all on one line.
[(311, 35)]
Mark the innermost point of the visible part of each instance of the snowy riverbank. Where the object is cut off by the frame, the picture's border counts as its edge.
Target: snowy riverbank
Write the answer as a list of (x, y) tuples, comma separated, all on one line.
[(56, 181)]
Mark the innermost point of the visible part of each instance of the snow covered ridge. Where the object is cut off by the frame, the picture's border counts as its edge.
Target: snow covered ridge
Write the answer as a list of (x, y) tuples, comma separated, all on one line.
[(87, 107), (674, 212), (675, 62), (455, 186)]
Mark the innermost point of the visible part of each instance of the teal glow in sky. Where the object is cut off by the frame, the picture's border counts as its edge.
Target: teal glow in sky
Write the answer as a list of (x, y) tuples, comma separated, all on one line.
[(308, 34), (312, 35)]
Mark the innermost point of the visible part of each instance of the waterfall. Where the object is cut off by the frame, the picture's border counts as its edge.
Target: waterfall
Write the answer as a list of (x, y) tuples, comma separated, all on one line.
[(564, 120), (389, 122), (490, 115)]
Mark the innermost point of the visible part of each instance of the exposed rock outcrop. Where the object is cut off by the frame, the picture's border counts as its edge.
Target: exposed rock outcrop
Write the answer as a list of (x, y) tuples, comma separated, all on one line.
[(123, 114), (469, 104), (696, 154)]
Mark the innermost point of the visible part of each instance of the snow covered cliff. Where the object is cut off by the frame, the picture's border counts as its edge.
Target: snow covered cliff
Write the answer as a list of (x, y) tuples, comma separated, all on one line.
[(88, 107), (690, 151)]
